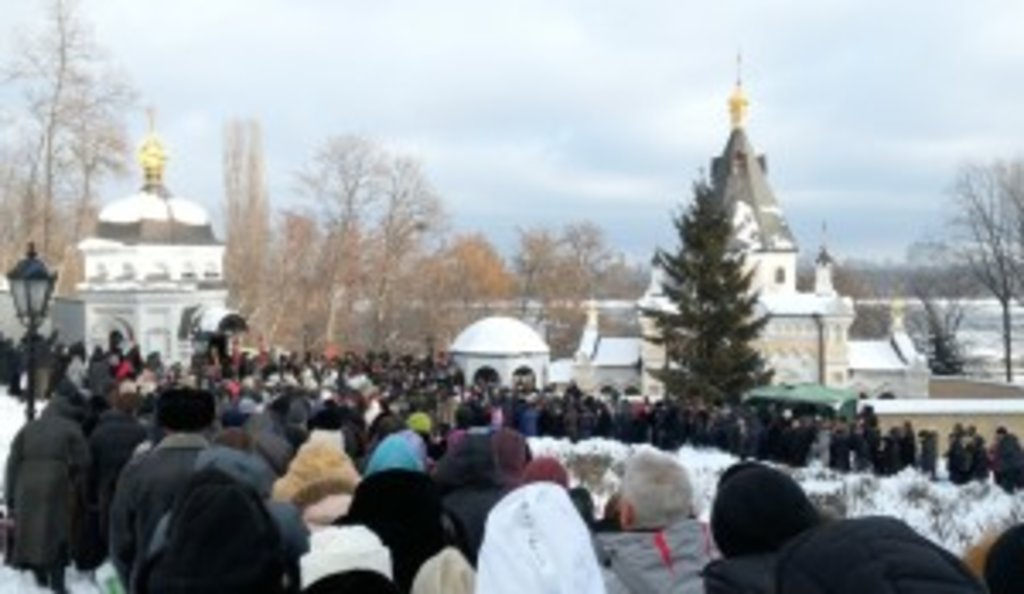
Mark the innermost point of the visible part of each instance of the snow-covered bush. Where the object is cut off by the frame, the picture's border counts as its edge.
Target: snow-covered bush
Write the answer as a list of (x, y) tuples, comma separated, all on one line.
[(954, 517)]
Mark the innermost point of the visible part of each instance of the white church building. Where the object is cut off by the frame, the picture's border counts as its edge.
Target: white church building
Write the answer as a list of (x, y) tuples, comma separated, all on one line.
[(153, 272)]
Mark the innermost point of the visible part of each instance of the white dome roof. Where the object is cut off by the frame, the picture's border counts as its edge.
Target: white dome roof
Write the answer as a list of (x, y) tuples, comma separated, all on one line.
[(499, 336), (151, 207)]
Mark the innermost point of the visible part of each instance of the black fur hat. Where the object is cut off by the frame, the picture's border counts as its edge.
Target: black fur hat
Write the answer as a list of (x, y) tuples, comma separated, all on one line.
[(185, 410)]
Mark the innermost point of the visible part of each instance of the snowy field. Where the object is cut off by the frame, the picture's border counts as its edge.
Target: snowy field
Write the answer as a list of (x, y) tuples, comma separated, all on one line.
[(954, 517), (951, 516)]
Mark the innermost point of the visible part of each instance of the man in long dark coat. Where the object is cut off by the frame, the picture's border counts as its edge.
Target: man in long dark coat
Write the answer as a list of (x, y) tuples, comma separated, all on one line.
[(45, 475)]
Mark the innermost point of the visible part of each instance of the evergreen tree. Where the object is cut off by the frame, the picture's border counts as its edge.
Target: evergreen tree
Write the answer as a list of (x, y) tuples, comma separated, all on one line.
[(708, 330), (945, 356)]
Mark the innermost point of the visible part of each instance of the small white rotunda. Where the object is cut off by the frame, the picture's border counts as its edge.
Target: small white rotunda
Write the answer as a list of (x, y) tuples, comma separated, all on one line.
[(501, 351)]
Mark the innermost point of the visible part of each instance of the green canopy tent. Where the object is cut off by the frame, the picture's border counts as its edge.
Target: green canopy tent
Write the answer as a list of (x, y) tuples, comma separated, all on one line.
[(806, 397)]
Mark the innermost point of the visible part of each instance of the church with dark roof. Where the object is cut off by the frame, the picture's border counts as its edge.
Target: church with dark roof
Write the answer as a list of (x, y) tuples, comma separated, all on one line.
[(807, 337)]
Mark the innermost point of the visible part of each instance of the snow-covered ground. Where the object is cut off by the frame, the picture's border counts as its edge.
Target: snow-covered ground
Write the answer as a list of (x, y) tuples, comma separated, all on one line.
[(954, 517)]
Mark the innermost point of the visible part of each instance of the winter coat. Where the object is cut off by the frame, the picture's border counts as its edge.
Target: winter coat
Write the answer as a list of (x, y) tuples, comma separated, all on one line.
[(753, 574), (111, 446), (274, 449), (145, 492), (251, 470), (839, 456), (45, 486), (979, 459), (404, 509), (1009, 460), (99, 379), (876, 554), (929, 453), (470, 487), (664, 562)]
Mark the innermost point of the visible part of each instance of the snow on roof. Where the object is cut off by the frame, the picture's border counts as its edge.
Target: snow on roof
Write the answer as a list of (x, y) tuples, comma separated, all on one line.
[(148, 206), (499, 336), (560, 371), (804, 304), (617, 352), (905, 345), (943, 406), (588, 343), (97, 243), (874, 355)]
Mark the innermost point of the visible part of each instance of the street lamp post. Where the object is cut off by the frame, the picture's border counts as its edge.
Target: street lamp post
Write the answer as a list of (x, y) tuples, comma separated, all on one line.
[(31, 287)]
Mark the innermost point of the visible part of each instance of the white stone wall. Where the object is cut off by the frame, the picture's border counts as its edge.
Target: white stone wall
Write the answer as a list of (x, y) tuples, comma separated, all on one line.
[(770, 268)]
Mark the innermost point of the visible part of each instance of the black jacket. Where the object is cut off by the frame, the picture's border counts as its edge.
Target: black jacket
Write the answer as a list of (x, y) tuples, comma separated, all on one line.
[(470, 487), (145, 492), (111, 444), (752, 574), (876, 554)]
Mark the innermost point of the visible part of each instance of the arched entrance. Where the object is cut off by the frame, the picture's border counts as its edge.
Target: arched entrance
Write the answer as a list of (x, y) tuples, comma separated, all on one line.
[(524, 378), (486, 376)]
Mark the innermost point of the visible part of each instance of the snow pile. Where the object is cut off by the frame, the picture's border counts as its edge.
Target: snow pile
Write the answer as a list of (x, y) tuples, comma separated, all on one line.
[(954, 517), (15, 582)]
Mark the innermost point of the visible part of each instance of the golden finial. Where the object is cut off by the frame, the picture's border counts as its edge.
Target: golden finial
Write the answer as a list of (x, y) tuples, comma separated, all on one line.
[(152, 156), (738, 100)]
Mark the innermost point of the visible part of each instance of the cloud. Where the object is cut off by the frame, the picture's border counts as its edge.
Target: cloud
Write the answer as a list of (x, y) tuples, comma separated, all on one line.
[(527, 112)]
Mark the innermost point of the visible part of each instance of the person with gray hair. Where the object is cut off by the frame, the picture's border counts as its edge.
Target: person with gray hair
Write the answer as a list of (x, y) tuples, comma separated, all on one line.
[(663, 547)]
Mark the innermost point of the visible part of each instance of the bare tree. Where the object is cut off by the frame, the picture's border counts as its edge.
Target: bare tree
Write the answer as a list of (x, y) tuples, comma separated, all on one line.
[(939, 285), (586, 253), (988, 223), (73, 126), (343, 183), (409, 208), (247, 209)]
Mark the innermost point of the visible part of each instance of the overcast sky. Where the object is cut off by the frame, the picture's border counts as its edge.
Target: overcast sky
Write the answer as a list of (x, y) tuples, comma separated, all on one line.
[(541, 111)]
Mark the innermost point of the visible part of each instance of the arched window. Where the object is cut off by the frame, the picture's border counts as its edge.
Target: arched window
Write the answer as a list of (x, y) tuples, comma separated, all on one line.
[(780, 276), (127, 271), (101, 271), (188, 272), (210, 271)]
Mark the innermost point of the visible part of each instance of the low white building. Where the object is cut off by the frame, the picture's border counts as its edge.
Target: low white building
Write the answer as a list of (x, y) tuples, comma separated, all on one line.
[(153, 273), (500, 350)]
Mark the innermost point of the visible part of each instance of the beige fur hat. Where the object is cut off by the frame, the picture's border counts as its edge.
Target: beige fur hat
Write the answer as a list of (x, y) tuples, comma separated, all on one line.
[(316, 462)]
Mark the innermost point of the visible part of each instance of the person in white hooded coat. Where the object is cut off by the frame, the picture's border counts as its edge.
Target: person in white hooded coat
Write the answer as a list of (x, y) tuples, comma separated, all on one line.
[(535, 541)]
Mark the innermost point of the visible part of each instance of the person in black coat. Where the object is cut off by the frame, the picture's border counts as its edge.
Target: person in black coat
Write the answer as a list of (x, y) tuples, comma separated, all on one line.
[(150, 483), (118, 433), (404, 509), (908, 446), (756, 511), (929, 453), (980, 465), (880, 555), (958, 460), (1009, 461), (839, 456), (471, 486), (45, 479)]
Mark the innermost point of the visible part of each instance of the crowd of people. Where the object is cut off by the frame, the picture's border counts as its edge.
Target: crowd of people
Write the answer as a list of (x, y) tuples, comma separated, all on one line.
[(254, 473)]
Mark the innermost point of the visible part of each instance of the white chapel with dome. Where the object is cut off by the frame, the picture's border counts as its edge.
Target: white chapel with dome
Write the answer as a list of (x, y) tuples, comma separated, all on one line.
[(153, 271)]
